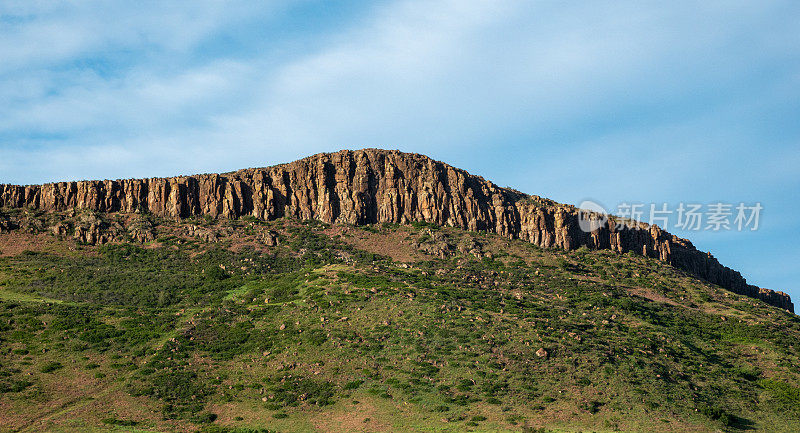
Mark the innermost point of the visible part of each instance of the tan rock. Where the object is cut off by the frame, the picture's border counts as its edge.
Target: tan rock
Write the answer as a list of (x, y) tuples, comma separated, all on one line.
[(371, 186)]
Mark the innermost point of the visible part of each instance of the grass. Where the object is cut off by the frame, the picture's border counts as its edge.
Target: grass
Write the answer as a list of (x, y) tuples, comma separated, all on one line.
[(315, 334), (9, 296)]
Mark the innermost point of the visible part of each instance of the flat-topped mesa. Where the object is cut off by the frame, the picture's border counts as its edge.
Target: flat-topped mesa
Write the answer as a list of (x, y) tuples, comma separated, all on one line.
[(372, 186)]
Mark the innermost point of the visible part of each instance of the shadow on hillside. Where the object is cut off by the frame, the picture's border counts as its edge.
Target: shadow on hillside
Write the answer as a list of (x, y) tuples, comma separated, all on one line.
[(739, 423)]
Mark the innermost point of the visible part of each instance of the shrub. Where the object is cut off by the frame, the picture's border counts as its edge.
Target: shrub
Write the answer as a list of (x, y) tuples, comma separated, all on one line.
[(354, 384), (14, 386), (205, 418), (215, 273), (51, 367), (119, 422), (783, 392)]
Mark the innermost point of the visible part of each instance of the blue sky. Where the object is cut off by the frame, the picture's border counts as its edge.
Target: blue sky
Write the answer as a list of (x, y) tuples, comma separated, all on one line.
[(645, 102)]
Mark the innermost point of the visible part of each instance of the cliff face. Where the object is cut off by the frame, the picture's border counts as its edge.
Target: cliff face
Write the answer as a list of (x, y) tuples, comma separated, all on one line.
[(372, 186)]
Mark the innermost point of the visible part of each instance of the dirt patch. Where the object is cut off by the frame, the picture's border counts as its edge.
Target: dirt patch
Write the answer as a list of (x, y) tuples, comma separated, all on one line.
[(14, 243), (362, 417), (393, 243), (655, 297)]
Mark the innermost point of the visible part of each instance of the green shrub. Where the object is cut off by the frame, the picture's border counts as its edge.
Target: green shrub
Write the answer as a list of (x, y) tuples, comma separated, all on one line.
[(120, 422), (51, 367), (215, 273), (14, 386), (783, 392), (354, 384)]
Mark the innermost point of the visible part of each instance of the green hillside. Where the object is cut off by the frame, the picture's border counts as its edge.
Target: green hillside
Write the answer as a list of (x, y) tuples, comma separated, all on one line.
[(289, 326)]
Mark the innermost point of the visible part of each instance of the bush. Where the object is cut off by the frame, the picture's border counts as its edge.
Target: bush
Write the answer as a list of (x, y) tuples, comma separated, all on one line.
[(354, 384), (205, 418), (215, 273), (290, 390), (14, 386), (120, 422), (51, 367), (783, 392)]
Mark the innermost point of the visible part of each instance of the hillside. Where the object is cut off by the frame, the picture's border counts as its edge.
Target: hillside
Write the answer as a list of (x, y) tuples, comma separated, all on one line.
[(365, 187), (119, 318)]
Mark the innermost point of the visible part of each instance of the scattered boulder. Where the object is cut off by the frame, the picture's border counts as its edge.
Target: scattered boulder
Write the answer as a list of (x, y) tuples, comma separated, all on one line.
[(142, 229), (470, 246), (269, 238), (5, 224), (434, 243), (205, 233)]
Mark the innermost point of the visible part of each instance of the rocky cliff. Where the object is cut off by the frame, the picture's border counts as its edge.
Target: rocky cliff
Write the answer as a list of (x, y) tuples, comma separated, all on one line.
[(372, 186)]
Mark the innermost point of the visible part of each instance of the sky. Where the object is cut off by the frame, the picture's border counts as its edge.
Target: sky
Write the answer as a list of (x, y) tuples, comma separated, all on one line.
[(615, 102)]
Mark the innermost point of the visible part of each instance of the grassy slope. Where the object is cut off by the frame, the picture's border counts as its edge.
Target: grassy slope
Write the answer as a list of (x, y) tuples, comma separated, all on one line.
[(356, 329)]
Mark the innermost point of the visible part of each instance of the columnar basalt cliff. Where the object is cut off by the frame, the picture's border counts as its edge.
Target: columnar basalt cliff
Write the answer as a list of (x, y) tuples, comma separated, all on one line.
[(372, 186)]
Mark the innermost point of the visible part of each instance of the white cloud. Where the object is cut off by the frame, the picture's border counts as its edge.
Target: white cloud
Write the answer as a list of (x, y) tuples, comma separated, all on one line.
[(53, 32), (425, 76)]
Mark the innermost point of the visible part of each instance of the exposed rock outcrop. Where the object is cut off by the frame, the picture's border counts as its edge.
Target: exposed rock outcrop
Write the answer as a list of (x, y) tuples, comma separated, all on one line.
[(5, 224), (433, 243), (371, 186)]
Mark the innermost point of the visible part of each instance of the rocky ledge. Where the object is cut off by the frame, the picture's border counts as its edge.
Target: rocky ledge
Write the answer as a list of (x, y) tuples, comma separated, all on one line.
[(372, 186)]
